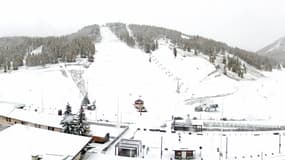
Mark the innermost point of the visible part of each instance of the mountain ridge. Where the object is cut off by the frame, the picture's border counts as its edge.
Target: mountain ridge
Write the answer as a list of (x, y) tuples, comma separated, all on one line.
[(275, 50), (13, 49)]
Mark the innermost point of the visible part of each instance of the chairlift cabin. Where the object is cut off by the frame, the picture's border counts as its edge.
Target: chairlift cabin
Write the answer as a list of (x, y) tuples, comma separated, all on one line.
[(139, 105), (92, 106)]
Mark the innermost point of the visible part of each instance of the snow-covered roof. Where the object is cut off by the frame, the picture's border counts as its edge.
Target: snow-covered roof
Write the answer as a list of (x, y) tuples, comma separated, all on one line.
[(100, 130), (129, 143), (183, 149), (21, 142), (10, 110), (109, 156)]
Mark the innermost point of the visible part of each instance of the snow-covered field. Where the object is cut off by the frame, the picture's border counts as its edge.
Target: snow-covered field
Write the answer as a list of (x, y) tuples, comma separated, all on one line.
[(120, 75)]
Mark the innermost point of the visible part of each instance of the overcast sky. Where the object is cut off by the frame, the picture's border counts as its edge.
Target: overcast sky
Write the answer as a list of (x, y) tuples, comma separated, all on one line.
[(249, 24)]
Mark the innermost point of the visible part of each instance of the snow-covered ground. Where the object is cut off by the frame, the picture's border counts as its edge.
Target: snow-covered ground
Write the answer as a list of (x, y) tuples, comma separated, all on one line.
[(39, 87), (120, 75)]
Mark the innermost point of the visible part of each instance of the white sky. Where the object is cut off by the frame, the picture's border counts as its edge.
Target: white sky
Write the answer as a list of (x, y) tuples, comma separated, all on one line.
[(249, 24)]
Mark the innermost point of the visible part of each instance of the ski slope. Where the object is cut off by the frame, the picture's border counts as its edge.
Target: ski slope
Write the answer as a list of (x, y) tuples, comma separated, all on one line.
[(120, 75)]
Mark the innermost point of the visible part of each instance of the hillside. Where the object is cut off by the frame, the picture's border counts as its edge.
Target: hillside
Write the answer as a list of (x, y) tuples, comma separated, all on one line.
[(13, 50), (18, 51), (121, 74), (145, 37), (275, 50)]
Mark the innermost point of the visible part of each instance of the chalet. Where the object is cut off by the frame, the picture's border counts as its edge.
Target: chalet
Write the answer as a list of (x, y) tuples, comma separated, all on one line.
[(26, 143), (128, 148)]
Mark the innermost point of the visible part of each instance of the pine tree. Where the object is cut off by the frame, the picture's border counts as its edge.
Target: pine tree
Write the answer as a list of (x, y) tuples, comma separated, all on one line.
[(195, 52), (75, 124), (68, 123), (68, 110), (244, 68), (174, 52), (212, 58), (83, 126), (5, 68), (147, 48), (156, 44), (225, 70), (224, 60)]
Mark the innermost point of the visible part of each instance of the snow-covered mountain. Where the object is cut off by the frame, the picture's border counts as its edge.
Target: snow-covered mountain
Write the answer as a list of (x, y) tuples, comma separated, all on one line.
[(275, 50), (121, 74), (169, 85)]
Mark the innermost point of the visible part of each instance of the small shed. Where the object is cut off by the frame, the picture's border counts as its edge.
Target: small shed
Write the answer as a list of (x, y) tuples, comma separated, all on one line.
[(128, 148), (101, 139), (184, 153)]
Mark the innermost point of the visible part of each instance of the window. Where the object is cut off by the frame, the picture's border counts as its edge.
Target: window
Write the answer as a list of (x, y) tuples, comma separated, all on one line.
[(51, 128), (8, 119)]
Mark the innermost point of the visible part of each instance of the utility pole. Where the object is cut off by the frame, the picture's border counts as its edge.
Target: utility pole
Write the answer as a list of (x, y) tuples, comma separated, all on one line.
[(221, 140), (161, 147), (279, 143), (227, 147)]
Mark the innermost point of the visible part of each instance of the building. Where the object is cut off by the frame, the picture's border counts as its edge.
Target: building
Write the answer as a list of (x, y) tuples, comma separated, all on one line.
[(18, 114), (179, 124), (184, 153), (26, 143), (128, 148), (11, 114)]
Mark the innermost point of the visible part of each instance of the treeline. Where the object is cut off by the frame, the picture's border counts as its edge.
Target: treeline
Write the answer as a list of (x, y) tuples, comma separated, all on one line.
[(12, 52), (234, 64), (146, 38), (91, 31), (258, 61), (55, 49), (17, 51), (121, 31)]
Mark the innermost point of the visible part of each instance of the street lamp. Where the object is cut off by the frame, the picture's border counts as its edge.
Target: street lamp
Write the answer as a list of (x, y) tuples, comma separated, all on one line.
[(279, 143), (201, 152)]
